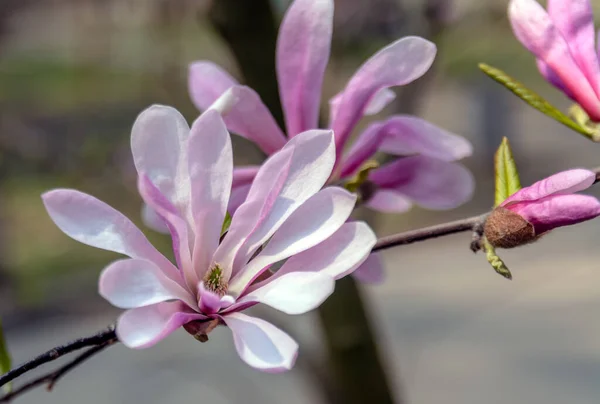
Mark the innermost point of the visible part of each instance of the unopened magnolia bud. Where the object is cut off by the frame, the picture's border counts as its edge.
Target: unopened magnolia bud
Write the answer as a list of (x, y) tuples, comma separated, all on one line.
[(506, 229)]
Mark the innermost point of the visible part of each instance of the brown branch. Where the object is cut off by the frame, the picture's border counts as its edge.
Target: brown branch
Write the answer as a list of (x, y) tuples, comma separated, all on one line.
[(104, 337), (426, 233), (53, 377)]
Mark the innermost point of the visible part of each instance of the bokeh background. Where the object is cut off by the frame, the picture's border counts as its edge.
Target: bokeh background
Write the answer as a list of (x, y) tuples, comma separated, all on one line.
[(75, 73)]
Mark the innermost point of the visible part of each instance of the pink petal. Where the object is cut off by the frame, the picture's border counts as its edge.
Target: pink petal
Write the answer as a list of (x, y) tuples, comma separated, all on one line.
[(145, 326), (397, 64), (211, 170), (92, 222), (210, 302), (207, 82), (565, 182), (244, 175), (364, 147), (153, 221), (176, 224), (389, 201), (534, 29), (293, 293), (242, 180), (405, 135), (558, 210), (337, 256), (245, 114), (302, 56), (312, 161), (431, 183), (575, 20), (132, 283), (313, 222), (238, 196), (158, 143), (372, 271), (260, 344), (378, 102), (252, 213), (553, 78)]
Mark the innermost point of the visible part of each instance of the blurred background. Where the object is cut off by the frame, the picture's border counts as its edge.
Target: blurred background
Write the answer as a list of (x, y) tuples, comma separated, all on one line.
[(75, 73)]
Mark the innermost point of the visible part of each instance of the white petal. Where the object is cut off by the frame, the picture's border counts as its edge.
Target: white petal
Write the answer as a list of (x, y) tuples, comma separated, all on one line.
[(211, 171), (134, 283), (260, 344), (314, 221)]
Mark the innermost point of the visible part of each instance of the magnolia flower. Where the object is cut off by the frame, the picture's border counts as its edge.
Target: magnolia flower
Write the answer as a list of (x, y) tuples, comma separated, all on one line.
[(541, 207), (425, 175), (185, 176), (563, 41)]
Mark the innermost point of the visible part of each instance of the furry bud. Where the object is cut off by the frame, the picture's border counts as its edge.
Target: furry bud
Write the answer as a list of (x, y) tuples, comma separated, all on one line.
[(506, 229)]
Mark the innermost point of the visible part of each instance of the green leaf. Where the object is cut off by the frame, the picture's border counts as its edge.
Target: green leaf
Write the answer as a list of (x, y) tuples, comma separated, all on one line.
[(226, 223), (506, 173), (5, 362), (539, 103), (495, 261)]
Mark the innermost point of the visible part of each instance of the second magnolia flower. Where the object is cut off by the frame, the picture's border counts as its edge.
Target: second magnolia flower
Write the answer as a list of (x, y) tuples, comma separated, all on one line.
[(185, 176)]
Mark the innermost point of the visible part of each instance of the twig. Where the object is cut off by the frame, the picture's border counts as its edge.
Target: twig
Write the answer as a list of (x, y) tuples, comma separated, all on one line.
[(53, 377), (427, 233), (98, 339)]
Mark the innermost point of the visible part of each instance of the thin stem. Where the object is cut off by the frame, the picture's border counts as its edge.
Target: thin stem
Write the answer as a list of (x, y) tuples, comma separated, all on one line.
[(427, 233), (97, 339), (53, 377)]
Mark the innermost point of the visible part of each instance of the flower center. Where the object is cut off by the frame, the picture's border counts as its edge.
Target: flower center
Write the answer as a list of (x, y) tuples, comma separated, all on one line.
[(213, 280)]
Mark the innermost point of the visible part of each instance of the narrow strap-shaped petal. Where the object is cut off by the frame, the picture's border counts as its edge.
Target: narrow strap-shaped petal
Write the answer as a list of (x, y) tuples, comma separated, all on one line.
[(153, 220), (337, 256), (145, 326), (371, 271), (557, 211), (302, 55), (397, 64), (553, 78), (431, 183), (255, 209), (313, 222), (207, 82), (211, 171), (405, 135), (132, 283), (293, 293), (378, 102), (575, 20), (242, 180), (93, 222), (312, 161), (534, 29), (389, 201), (158, 144), (178, 227), (246, 115), (362, 149), (260, 344), (243, 175), (565, 182)]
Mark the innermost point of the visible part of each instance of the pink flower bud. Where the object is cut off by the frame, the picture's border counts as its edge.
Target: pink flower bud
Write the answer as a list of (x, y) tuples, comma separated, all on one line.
[(532, 211)]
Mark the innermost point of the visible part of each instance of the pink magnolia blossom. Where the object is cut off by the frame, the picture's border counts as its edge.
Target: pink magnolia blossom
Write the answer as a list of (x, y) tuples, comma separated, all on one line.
[(185, 177), (563, 40), (429, 177), (541, 207)]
